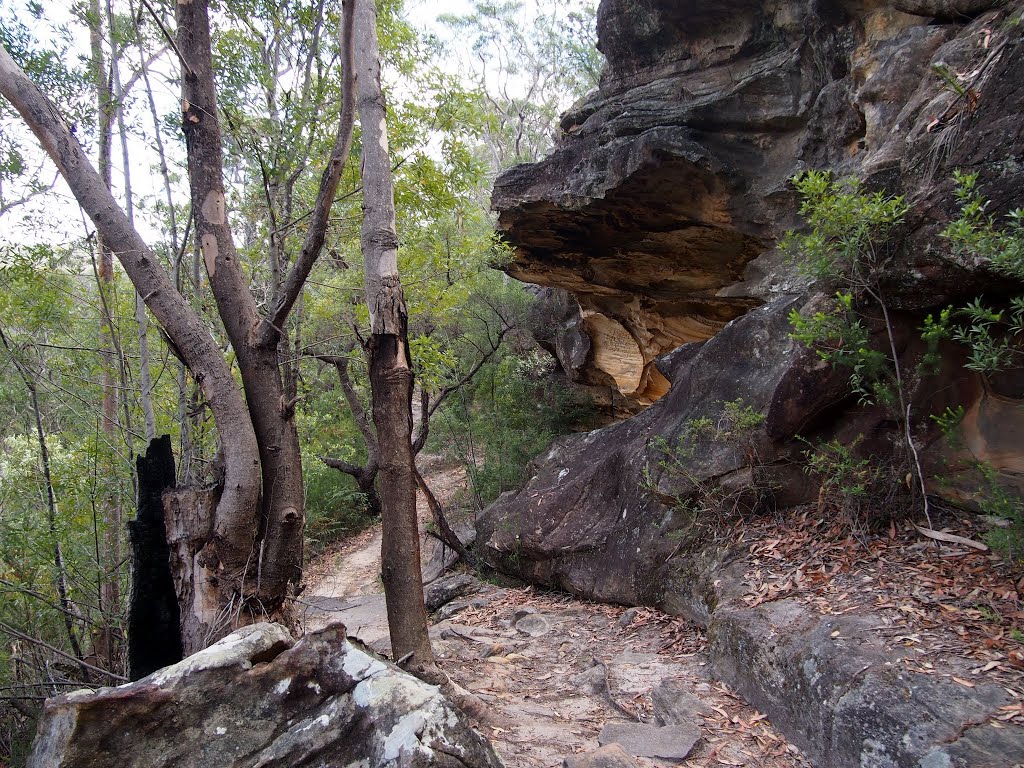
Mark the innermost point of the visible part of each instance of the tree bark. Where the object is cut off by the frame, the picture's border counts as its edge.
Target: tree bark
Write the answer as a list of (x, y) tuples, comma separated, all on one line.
[(278, 562), (391, 376), (230, 546)]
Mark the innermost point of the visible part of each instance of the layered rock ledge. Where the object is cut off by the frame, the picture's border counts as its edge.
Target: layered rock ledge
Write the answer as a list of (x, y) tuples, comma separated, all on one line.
[(259, 698), (658, 208)]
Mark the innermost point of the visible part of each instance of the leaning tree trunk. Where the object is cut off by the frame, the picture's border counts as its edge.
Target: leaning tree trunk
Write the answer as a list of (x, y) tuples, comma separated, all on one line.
[(240, 548), (229, 547), (391, 376)]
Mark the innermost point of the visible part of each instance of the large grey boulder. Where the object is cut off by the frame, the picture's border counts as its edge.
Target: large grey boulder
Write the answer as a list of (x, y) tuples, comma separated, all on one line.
[(598, 519), (258, 699)]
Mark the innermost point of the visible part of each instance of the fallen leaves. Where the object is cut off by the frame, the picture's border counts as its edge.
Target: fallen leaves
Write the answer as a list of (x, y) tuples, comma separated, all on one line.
[(945, 605)]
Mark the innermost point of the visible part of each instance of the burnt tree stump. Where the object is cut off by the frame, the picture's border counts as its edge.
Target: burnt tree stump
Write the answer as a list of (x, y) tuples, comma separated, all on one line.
[(154, 633)]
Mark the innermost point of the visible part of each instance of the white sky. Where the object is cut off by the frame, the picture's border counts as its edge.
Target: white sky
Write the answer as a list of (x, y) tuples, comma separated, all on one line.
[(55, 217)]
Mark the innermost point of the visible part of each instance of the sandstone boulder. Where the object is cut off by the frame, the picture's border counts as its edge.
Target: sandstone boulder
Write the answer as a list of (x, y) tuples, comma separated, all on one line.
[(256, 699), (598, 517)]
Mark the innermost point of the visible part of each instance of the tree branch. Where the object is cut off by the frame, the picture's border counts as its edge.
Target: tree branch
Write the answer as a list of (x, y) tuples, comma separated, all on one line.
[(282, 303)]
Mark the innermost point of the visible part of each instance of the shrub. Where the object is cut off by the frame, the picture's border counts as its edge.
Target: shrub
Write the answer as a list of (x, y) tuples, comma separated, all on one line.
[(704, 501)]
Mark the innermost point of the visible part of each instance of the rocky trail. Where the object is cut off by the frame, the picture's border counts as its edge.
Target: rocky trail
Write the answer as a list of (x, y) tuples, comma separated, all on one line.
[(567, 681)]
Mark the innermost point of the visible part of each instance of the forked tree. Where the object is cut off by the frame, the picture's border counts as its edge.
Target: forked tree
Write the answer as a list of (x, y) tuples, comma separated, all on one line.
[(235, 551)]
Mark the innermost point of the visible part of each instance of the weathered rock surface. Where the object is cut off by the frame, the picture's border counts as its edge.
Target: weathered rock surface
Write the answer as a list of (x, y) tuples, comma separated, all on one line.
[(830, 687), (611, 756), (592, 520), (258, 698), (658, 211), (675, 704), (446, 589), (660, 203), (669, 742)]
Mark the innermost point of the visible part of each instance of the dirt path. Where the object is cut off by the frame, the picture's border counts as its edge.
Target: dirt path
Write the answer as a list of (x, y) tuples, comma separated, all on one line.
[(555, 671), (344, 584)]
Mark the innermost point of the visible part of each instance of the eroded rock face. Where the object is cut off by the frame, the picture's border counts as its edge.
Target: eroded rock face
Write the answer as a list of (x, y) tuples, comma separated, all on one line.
[(597, 517), (659, 211), (659, 206), (258, 698)]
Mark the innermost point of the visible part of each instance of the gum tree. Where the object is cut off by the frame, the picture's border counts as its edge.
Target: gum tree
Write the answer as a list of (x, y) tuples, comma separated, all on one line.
[(240, 548)]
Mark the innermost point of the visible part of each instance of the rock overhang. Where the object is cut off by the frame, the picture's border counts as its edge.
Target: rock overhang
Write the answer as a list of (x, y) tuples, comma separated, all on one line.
[(664, 185)]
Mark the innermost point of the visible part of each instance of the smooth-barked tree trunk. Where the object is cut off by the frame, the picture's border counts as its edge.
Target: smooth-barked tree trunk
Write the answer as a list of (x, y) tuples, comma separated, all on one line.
[(236, 549), (391, 376)]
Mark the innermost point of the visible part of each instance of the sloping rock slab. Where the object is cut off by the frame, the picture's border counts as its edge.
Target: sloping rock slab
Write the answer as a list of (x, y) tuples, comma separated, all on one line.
[(670, 742), (258, 699), (834, 689)]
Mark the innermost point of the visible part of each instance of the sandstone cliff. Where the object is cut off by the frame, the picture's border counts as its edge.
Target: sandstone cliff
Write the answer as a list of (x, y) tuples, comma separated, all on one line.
[(660, 210), (659, 207)]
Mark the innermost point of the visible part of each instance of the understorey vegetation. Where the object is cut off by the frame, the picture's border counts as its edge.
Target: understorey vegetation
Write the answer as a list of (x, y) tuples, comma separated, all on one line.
[(849, 247)]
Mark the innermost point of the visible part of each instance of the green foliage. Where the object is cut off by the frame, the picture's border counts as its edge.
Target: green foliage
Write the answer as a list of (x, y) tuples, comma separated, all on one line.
[(52, 66), (335, 507), (849, 229), (511, 414), (840, 337), (703, 501), (530, 61), (847, 246), (513, 407), (949, 420), (992, 336), (851, 485), (1006, 507)]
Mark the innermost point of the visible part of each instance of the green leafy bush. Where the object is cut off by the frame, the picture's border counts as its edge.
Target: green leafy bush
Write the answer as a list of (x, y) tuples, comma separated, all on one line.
[(993, 336), (851, 485), (846, 247), (704, 501)]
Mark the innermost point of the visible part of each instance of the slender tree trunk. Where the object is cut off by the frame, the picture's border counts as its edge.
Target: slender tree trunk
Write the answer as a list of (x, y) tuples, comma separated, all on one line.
[(391, 376), (366, 475), (60, 576), (228, 549), (110, 596), (141, 320)]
